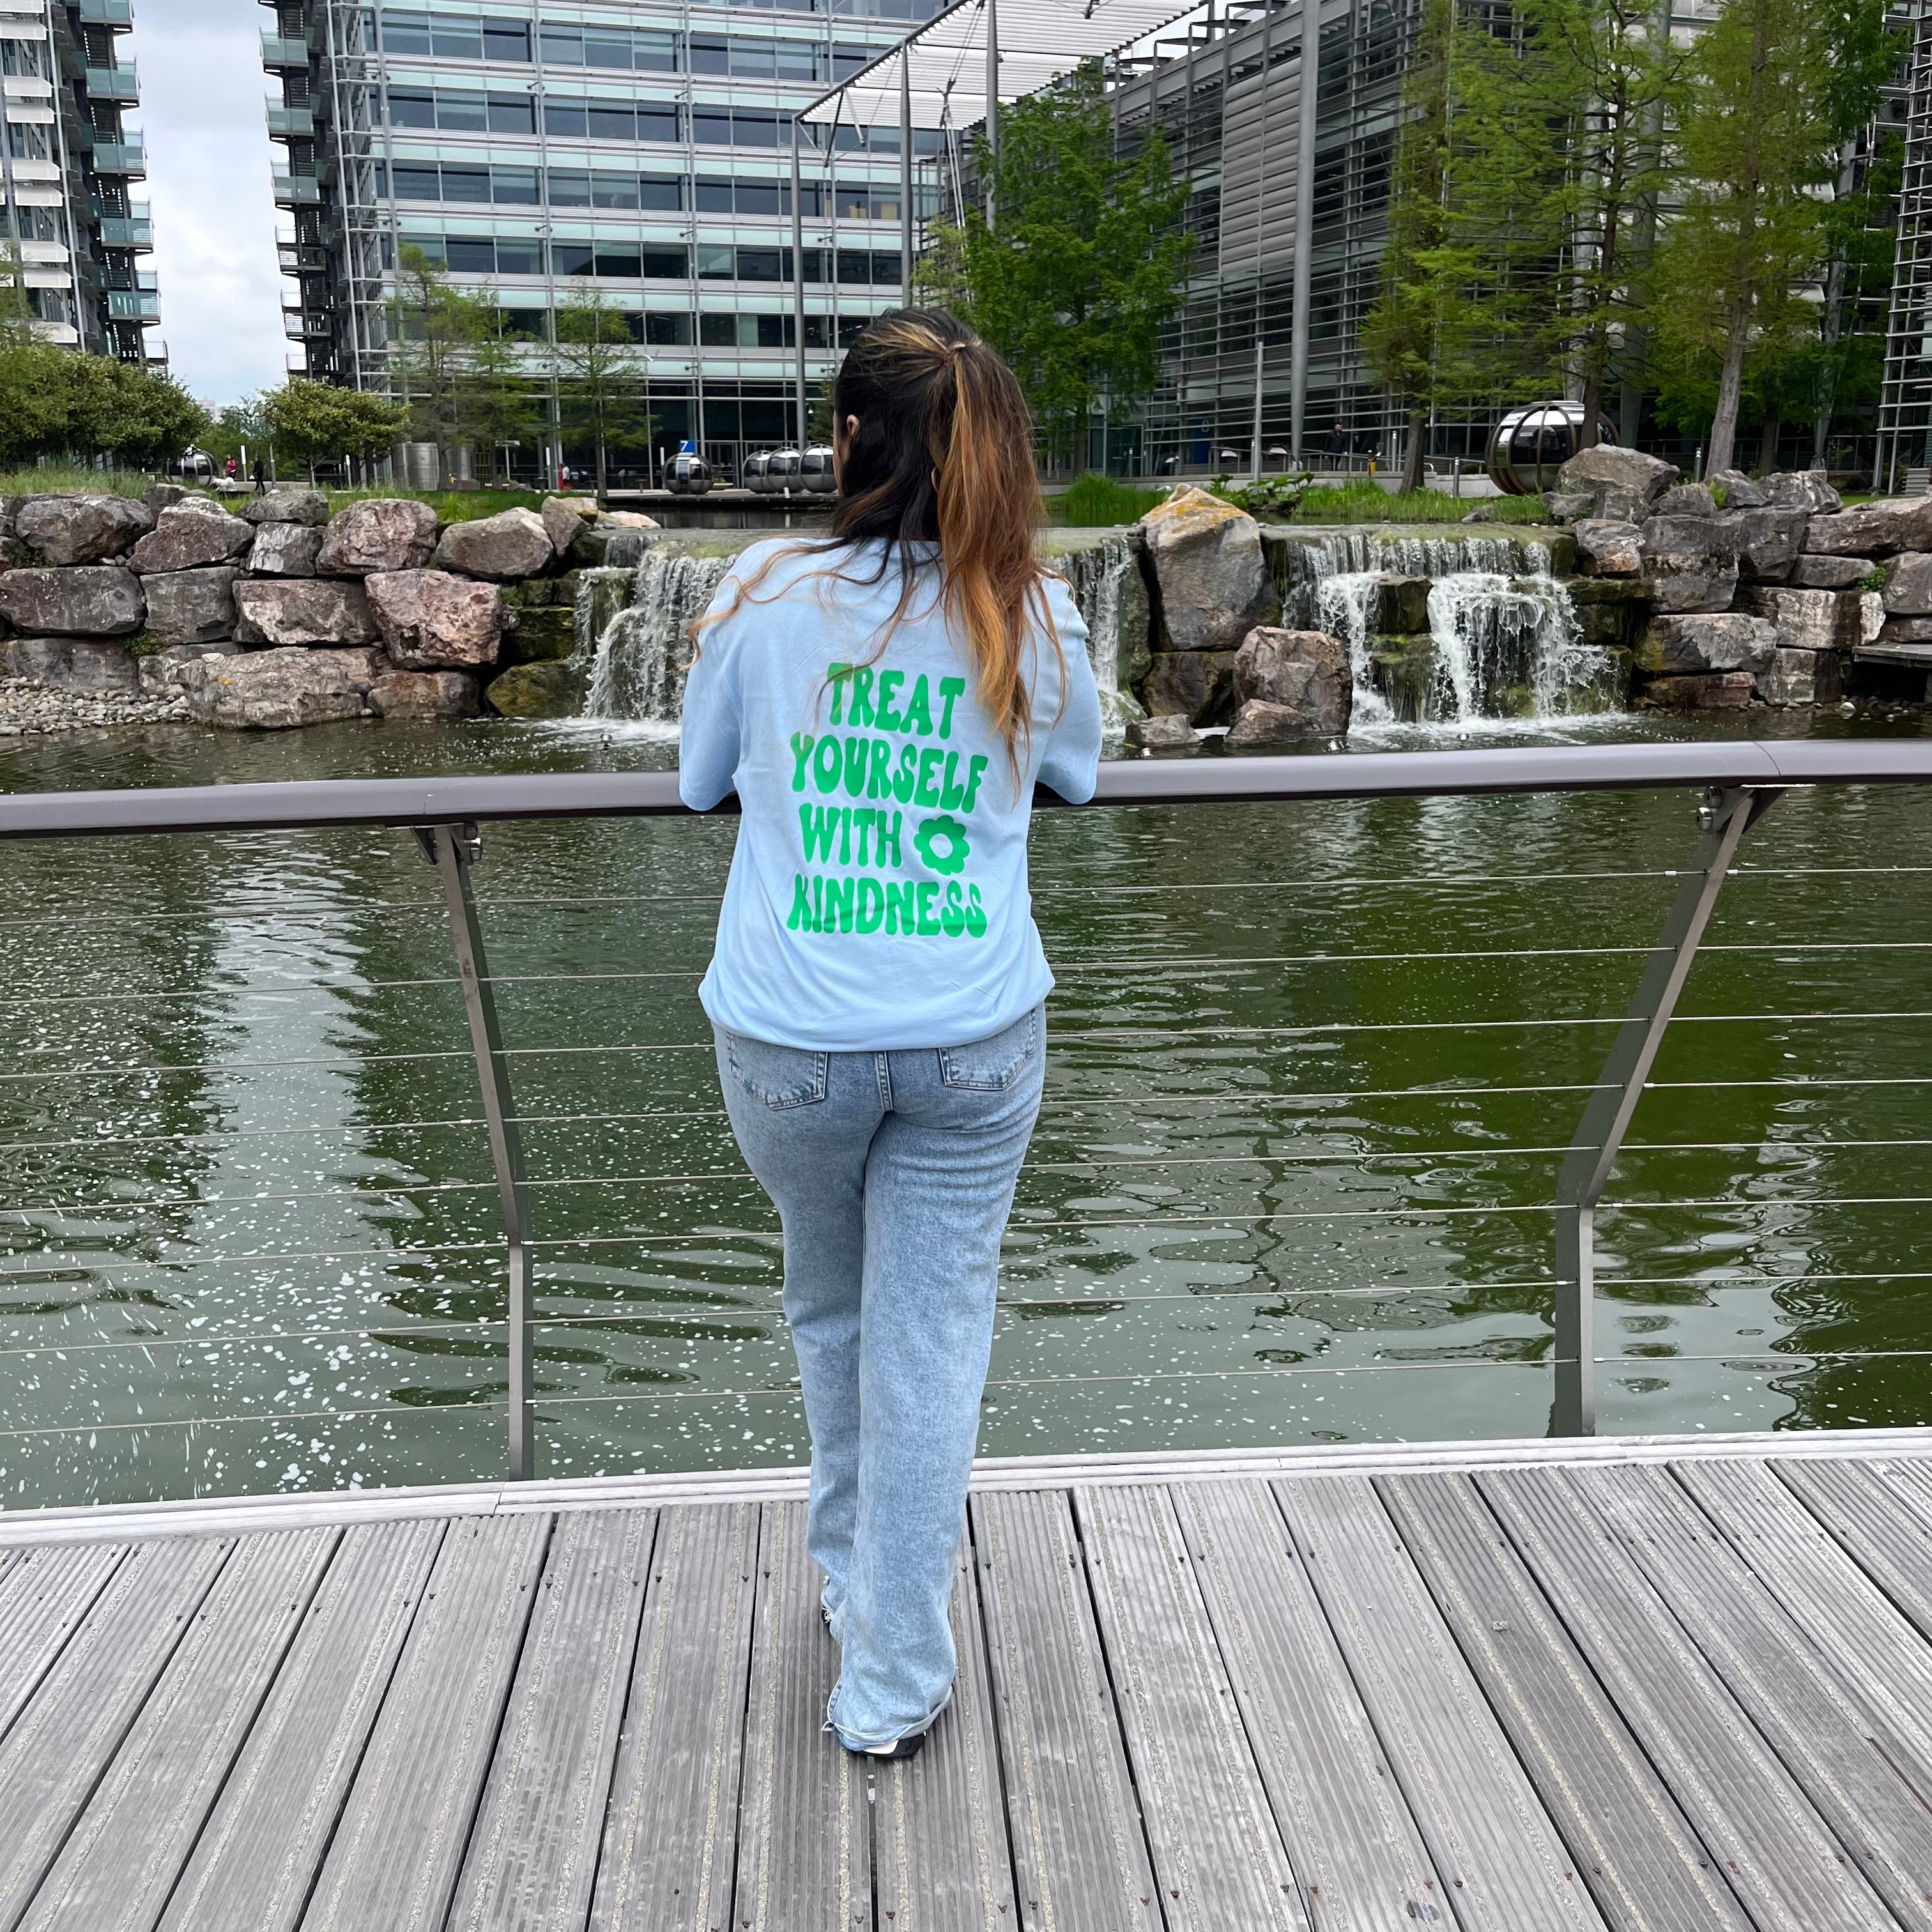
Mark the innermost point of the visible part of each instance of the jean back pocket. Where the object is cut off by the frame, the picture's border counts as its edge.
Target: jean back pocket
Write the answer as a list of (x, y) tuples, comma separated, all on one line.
[(991, 1065), (780, 1076)]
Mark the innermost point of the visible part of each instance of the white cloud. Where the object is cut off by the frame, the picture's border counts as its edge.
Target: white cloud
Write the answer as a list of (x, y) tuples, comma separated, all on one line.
[(209, 162)]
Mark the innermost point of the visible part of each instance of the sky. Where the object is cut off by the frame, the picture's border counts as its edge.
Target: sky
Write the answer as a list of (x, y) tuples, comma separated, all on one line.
[(209, 165)]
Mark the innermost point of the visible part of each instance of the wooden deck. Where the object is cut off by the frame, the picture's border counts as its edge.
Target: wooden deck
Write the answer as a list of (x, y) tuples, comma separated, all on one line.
[(1627, 1688)]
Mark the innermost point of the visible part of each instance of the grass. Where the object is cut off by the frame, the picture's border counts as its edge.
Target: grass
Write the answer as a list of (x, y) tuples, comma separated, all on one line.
[(100, 482), (1094, 501)]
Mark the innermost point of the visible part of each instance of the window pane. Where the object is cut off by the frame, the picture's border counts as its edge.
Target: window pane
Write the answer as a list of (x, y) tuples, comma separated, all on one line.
[(656, 53), (662, 192), (564, 117), (503, 41), (753, 60), (528, 323), (519, 258), (606, 46), (855, 265), (717, 332), (461, 111), (612, 123), (711, 126), (571, 258), (710, 54), (755, 130), (456, 40), (468, 253), (613, 191), (718, 264), (773, 334), (668, 264), (568, 189), (563, 45), (405, 33), (758, 264), (412, 110), (668, 331), (514, 187), (430, 245), (616, 261), (658, 123), (466, 184), (714, 196), (417, 184), (512, 114), (758, 198)]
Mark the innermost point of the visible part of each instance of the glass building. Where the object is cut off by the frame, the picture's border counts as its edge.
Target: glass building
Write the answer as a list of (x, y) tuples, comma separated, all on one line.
[(70, 233), (639, 147)]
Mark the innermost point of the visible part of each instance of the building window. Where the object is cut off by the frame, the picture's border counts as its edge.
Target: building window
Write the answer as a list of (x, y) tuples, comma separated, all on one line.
[(27, 141), (611, 120), (454, 36), (641, 49)]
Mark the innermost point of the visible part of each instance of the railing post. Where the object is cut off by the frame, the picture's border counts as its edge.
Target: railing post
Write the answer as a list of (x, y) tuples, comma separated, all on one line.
[(453, 850), (1724, 819)]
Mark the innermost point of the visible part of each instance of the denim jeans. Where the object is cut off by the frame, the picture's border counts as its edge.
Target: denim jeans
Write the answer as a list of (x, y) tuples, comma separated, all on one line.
[(893, 1174)]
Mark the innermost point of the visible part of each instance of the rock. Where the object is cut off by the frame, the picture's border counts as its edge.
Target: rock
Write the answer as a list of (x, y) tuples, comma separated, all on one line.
[(81, 529), (1808, 620), (535, 632), (1199, 685), (288, 505), (513, 543), (1877, 529), (301, 611), (1691, 561), (552, 689), (1401, 604), (157, 496), (1258, 724), (1212, 585), (160, 670), (1768, 542), (1484, 513), (277, 690), (1713, 641), (1685, 500), (1908, 585), (1733, 490), (605, 543), (1170, 733), (1566, 508), (71, 664), (1828, 573), (1622, 483), (1728, 691), (628, 520), (1871, 616), (1301, 679), (428, 618), (1605, 547), (379, 533), (1802, 490), (285, 550), (1906, 631), (1790, 678), (424, 694), (189, 535), (563, 517), (193, 606), (95, 600)]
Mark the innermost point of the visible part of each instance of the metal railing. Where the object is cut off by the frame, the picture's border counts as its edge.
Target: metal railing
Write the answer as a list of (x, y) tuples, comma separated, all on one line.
[(1739, 781)]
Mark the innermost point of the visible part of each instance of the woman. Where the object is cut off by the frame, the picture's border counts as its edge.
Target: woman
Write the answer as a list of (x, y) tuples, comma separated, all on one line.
[(882, 703)]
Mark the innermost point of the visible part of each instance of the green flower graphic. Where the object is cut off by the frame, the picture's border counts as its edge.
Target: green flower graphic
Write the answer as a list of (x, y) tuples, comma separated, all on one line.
[(953, 858)]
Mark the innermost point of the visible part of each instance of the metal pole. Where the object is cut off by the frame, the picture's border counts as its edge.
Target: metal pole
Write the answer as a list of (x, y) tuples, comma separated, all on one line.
[(1726, 816), (798, 282), (1258, 381), (905, 173), (453, 850), (992, 101), (1304, 225)]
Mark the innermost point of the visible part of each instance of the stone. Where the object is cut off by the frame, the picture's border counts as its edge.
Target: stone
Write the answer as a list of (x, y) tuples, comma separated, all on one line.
[(1767, 541), (378, 533), (513, 543), (1169, 732), (93, 600), (1566, 507), (563, 516), (423, 694), (158, 495), (81, 529), (1198, 685), (606, 542), (1790, 678), (1712, 641), (1908, 585), (1259, 723), (1606, 547), (537, 632), (1401, 603), (278, 690), (1685, 500), (628, 520), (1691, 562), (1302, 678), (551, 689), (1828, 573), (1871, 616), (285, 550), (428, 618), (288, 504), (193, 606), (189, 535), (160, 670), (71, 664), (1802, 490), (301, 611), (1733, 490), (1727, 691), (1211, 582), (1906, 631), (1808, 620), (1879, 529), (1621, 484)]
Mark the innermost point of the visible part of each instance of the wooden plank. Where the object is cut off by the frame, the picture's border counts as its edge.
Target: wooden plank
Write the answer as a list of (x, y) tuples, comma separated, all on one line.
[(533, 1856), (1872, 1517), (1644, 1864), (259, 1851), (396, 1854), (667, 1857), (1790, 1872), (43, 1602), (1357, 1854), (1217, 1858), (1080, 1857), (1804, 1711), (1493, 1844), (58, 1747), (116, 1870), (804, 1833)]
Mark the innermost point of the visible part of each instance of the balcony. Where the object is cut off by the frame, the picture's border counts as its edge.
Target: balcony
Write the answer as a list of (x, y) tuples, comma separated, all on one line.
[(109, 13), (278, 51), (123, 231), (113, 83), (284, 122), (121, 157), (297, 191), (133, 305), (298, 258)]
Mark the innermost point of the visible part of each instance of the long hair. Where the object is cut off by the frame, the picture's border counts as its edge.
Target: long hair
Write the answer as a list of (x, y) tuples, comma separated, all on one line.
[(943, 455)]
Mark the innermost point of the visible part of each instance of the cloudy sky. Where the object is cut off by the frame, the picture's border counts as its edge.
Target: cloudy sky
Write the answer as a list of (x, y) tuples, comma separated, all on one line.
[(209, 166)]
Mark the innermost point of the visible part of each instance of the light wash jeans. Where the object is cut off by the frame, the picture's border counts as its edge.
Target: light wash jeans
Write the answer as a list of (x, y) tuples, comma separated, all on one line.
[(893, 1174)]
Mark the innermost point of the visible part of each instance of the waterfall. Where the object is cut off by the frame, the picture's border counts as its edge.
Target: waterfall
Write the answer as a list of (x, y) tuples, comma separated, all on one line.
[(1098, 575), (1510, 646), (637, 655), (1342, 605)]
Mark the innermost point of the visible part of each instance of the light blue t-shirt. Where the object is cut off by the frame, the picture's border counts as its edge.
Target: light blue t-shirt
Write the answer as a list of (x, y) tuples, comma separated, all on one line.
[(878, 896)]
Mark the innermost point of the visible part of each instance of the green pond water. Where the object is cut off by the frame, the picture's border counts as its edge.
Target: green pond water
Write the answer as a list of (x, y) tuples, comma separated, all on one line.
[(1313, 1068)]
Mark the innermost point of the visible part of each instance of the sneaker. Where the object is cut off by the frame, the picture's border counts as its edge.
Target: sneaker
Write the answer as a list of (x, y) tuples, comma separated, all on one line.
[(898, 1751)]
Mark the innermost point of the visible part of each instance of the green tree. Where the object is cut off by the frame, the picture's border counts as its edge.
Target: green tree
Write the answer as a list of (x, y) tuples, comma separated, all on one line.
[(127, 412), (501, 406), (602, 387), (239, 426), (310, 421), (1085, 261), (435, 331)]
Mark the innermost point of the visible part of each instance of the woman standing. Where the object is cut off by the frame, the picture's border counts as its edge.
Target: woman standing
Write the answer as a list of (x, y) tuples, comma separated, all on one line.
[(883, 703)]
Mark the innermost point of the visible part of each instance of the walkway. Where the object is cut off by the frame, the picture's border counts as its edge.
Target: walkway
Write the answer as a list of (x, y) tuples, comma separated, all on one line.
[(1522, 1686)]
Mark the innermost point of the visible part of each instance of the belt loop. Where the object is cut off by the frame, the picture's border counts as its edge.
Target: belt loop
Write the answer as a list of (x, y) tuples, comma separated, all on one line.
[(884, 1062)]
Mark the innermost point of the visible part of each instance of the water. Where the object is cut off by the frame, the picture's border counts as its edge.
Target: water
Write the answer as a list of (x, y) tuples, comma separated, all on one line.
[(1106, 580), (641, 652)]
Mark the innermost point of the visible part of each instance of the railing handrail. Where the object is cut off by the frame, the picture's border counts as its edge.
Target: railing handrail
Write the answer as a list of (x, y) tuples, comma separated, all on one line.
[(311, 803)]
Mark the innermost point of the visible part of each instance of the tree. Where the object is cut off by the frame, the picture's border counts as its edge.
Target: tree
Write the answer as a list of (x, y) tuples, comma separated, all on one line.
[(601, 391), (310, 421), (1087, 260), (499, 405), (239, 426), (435, 329), (127, 411)]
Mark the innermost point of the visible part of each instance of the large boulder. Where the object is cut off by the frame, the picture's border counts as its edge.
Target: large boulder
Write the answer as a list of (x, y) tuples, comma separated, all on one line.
[(1802, 490), (563, 518), (305, 611), (161, 670), (1608, 548), (193, 606), (1401, 605), (277, 690), (1621, 484), (1908, 585), (94, 600), (1691, 561), (1685, 500), (1828, 573), (1712, 641), (1302, 680), (1171, 733), (1211, 582), (1767, 541), (551, 689), (1808, 620), (1722, 691), (285, 550), (157, 496), (1791, 678), (1198, 685), (1733, 490), (83, 665), (428, 618), (1880, 528), (288, 505), (535, 631), (424, 694), (379, 533), (512, 544), (81, 529), (190, 534)]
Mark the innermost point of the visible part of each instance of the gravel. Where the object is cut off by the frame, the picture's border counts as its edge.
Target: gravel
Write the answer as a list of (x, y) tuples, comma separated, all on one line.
[(27, 709)]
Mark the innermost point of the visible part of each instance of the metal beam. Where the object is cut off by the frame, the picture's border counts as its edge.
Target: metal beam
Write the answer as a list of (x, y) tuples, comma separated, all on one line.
[(798, 286)]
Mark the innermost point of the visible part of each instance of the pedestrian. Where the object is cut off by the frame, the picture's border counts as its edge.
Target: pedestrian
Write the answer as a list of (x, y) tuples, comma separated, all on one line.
[(229, 472), (882, 702), (261, 477)]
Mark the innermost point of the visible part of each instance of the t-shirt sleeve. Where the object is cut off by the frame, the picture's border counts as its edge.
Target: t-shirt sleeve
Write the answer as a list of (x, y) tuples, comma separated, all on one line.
[(1071, 766), (710, 740)]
